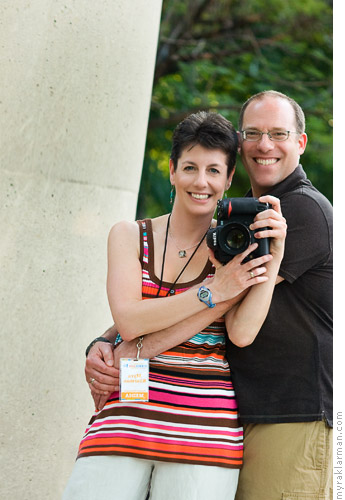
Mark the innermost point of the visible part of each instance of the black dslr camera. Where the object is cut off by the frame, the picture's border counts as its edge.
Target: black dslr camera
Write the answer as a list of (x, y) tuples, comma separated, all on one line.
[(232, 234)]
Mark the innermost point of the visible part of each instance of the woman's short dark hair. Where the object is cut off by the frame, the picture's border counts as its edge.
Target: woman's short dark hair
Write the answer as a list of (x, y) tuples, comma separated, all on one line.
[(209, 130)]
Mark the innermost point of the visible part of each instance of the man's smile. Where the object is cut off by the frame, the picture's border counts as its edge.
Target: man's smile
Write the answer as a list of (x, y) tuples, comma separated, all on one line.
[(266, 161)]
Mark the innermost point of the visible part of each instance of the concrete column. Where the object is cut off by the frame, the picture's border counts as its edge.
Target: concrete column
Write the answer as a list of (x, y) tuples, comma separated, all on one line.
[(75, 84)]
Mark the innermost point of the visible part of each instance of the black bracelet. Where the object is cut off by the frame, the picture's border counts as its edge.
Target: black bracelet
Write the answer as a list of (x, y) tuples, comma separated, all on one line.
[(98, 339)]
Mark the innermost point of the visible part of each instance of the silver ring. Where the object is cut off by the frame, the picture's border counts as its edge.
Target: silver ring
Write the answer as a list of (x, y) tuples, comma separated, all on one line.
[(92, 380), (252, 275)]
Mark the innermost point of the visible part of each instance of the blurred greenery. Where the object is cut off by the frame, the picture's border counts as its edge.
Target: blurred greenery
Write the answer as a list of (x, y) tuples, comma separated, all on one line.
[(214, 54)]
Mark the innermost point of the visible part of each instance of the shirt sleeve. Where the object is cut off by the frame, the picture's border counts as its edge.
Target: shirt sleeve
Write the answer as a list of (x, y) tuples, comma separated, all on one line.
[(309, 240)]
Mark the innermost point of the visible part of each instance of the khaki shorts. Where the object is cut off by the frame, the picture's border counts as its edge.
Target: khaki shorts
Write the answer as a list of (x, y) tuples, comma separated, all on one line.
[(291, 461)]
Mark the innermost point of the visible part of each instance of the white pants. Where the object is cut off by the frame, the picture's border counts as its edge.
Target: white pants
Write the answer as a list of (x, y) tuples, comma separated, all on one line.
[(123, 478)]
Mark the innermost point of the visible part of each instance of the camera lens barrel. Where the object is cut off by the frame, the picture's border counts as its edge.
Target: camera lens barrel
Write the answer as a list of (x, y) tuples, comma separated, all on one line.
[(237, 238)]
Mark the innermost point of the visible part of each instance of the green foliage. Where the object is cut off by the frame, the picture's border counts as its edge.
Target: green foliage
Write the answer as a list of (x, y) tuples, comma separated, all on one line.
[(214, 54)]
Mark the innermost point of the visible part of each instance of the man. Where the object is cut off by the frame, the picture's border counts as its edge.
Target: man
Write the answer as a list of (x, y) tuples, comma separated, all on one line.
[(283, 381)]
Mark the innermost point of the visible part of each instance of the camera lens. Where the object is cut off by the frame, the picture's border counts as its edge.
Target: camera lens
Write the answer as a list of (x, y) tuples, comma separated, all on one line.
[(236, 239)]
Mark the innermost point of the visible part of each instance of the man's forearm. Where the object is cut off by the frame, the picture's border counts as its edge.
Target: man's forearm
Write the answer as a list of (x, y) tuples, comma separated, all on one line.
[(111, 334)]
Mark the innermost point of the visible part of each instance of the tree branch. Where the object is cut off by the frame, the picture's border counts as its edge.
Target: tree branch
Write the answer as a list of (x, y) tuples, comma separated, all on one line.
[(182, 26)]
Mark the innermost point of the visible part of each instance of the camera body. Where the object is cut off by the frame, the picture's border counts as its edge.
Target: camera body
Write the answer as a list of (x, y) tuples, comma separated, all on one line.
[(232, 235)]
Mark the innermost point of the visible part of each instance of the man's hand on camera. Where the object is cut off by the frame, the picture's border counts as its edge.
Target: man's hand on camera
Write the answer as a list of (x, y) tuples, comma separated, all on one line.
[(275, 223), (100, 373)]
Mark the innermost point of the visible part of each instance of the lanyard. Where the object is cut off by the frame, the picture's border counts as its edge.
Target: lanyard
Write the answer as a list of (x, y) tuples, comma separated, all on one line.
[(163, 262)]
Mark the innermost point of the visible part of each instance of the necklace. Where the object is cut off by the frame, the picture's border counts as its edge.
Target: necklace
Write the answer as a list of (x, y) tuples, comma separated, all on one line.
[(171, 290), (181, 252)]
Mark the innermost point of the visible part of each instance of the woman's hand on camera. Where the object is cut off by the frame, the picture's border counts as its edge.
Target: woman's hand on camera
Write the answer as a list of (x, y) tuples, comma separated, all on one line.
[(275, 223), (235, 276)]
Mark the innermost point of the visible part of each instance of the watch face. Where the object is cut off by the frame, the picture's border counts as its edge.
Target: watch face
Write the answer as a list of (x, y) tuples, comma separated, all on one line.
[(204, 294)]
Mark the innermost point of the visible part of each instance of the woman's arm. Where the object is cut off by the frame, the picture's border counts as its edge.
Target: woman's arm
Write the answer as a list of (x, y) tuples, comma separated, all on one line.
[(158, 342), (136, 317), (244, 321)]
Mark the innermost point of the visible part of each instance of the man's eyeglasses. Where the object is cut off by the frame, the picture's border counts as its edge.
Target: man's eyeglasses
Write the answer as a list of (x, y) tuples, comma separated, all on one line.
[(276, 135)]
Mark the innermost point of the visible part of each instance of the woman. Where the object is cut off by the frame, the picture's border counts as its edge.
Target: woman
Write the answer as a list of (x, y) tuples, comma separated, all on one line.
[(187, 435)]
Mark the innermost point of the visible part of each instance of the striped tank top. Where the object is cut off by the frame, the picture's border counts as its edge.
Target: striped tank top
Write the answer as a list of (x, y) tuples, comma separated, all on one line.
[(191, 416)]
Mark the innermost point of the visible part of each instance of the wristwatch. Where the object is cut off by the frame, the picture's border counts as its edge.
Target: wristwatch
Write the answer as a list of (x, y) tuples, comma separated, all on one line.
[(98, 339), (205, 296)]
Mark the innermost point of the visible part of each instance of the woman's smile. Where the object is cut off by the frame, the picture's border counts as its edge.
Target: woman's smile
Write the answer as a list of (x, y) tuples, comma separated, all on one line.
[(199, 196)]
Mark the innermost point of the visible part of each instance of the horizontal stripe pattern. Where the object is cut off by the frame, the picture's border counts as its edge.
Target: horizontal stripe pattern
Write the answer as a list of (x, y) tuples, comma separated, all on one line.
[(191, 416)]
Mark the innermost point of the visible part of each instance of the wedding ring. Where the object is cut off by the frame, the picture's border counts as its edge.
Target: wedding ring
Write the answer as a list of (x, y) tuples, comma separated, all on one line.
[(92, 380), (252, 275)]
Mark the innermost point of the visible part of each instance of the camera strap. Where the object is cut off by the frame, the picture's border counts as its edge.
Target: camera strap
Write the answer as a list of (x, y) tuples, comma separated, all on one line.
[(171, 290)]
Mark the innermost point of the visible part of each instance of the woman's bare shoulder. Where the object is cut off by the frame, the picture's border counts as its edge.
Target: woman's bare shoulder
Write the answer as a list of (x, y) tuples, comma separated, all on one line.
[(124, 229), (130, 230)]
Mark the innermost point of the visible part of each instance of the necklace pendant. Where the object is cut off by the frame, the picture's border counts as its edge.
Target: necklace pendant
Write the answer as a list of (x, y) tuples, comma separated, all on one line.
[(182, 254)]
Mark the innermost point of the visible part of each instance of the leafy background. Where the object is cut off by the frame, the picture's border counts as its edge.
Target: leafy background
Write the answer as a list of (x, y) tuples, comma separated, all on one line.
[(214, 54)]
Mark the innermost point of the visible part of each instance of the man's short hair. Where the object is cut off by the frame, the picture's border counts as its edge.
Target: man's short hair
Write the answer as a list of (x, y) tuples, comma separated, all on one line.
[(299, 115), (209, 130)]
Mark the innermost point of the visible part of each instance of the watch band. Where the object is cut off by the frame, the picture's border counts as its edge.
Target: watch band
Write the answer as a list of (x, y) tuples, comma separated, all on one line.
[(205, 296), (98, 339)]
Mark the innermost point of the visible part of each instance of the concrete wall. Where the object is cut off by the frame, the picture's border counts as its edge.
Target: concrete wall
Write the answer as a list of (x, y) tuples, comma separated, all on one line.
[(75, 84)]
